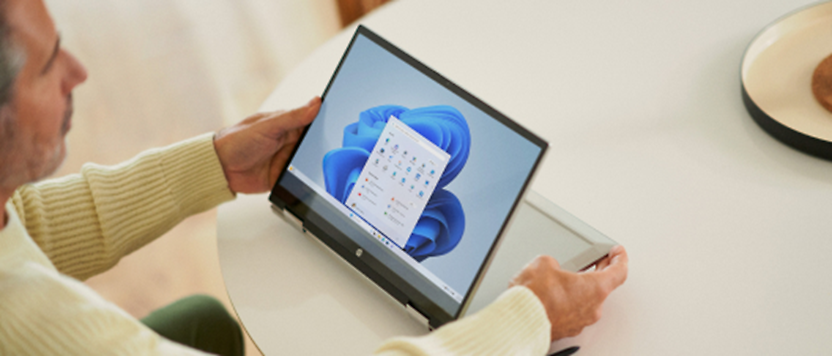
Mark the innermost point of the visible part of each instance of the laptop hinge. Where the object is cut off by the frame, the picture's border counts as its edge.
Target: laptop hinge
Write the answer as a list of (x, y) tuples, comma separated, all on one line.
[(289, 217), (420, 318)]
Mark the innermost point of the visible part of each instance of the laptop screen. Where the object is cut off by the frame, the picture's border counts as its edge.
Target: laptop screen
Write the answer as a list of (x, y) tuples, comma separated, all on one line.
[(411, 169)]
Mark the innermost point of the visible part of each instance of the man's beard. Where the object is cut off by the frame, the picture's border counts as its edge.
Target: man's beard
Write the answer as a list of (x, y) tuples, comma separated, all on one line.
[(25, 160), (67, 116)]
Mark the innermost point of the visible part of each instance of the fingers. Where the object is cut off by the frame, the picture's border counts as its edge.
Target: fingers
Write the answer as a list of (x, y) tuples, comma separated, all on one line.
[(278, 163), (618, 256), (602, 264), (294, 119), (281, 158), (605, 262), (614, 273)]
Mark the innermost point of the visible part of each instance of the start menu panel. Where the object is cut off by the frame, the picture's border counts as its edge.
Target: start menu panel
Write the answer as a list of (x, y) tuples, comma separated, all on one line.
[(395, 185)]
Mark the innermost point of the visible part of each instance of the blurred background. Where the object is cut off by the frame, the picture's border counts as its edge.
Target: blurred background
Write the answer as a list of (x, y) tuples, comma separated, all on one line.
[(165, 70)]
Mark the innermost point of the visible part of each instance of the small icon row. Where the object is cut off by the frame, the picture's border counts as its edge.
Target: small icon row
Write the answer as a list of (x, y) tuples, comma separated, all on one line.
[(382, 150)]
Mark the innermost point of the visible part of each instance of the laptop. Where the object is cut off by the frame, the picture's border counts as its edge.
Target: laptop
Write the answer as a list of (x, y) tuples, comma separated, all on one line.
[(414, 181)]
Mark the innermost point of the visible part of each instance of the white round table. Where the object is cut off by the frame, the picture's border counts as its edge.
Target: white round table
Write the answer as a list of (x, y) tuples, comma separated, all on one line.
[(729, 232)]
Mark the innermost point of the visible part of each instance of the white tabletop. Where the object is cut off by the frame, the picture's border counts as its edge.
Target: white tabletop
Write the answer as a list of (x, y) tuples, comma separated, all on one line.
[(729, 232)]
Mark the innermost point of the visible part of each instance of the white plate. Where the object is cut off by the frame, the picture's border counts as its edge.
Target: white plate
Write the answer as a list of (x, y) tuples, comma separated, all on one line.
[(777, 73)]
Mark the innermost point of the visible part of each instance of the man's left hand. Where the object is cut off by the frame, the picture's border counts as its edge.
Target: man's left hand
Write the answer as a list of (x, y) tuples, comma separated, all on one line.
[(254, 151)]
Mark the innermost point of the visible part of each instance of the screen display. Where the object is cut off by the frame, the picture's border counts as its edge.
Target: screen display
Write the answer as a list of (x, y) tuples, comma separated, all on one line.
[(414, 173)]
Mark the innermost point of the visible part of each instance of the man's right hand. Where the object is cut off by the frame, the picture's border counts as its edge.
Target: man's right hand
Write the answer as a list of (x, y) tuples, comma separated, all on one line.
[(573, 300)]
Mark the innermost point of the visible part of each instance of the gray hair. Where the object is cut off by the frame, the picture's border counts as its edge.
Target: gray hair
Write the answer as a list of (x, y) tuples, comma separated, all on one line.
[(11, 58)]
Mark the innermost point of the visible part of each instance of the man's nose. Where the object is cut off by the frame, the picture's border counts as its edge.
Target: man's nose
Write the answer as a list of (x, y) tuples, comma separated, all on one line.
[(76, 73)]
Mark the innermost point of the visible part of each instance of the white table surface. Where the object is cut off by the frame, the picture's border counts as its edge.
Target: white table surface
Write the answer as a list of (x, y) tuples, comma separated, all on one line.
[(729, 232)]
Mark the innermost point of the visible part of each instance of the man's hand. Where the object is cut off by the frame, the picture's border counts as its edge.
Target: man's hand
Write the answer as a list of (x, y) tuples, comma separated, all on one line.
[(254, 151), (573, 300)]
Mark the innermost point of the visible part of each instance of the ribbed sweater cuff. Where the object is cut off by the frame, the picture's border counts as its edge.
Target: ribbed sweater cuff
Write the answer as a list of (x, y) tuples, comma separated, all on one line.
[(515, 324), (195, 175)]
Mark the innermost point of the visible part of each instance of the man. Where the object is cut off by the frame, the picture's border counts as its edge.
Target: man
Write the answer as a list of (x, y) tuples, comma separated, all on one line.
[(55, 233)]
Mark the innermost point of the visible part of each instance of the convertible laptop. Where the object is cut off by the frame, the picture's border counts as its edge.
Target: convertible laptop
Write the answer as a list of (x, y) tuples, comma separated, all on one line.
[(413, 181)]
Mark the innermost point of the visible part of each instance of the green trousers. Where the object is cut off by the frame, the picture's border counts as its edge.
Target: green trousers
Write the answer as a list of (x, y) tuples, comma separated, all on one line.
[(200, 322)]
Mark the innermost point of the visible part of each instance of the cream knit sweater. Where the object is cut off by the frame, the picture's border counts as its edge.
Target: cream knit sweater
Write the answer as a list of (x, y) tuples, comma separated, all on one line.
[(66, 230)]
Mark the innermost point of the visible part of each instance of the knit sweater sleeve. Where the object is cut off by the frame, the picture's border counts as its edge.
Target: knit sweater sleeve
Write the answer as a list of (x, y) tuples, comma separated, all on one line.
[(86, 222), (515, 324)]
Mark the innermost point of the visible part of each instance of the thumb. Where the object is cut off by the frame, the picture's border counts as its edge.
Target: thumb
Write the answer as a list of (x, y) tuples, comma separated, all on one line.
[(294, 119)]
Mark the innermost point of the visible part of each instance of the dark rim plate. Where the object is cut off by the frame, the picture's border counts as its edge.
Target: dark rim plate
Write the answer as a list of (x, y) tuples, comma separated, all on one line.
[(780, 128)]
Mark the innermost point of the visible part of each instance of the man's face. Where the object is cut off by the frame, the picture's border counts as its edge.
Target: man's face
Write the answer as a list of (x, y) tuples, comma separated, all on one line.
[(41, 104)]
